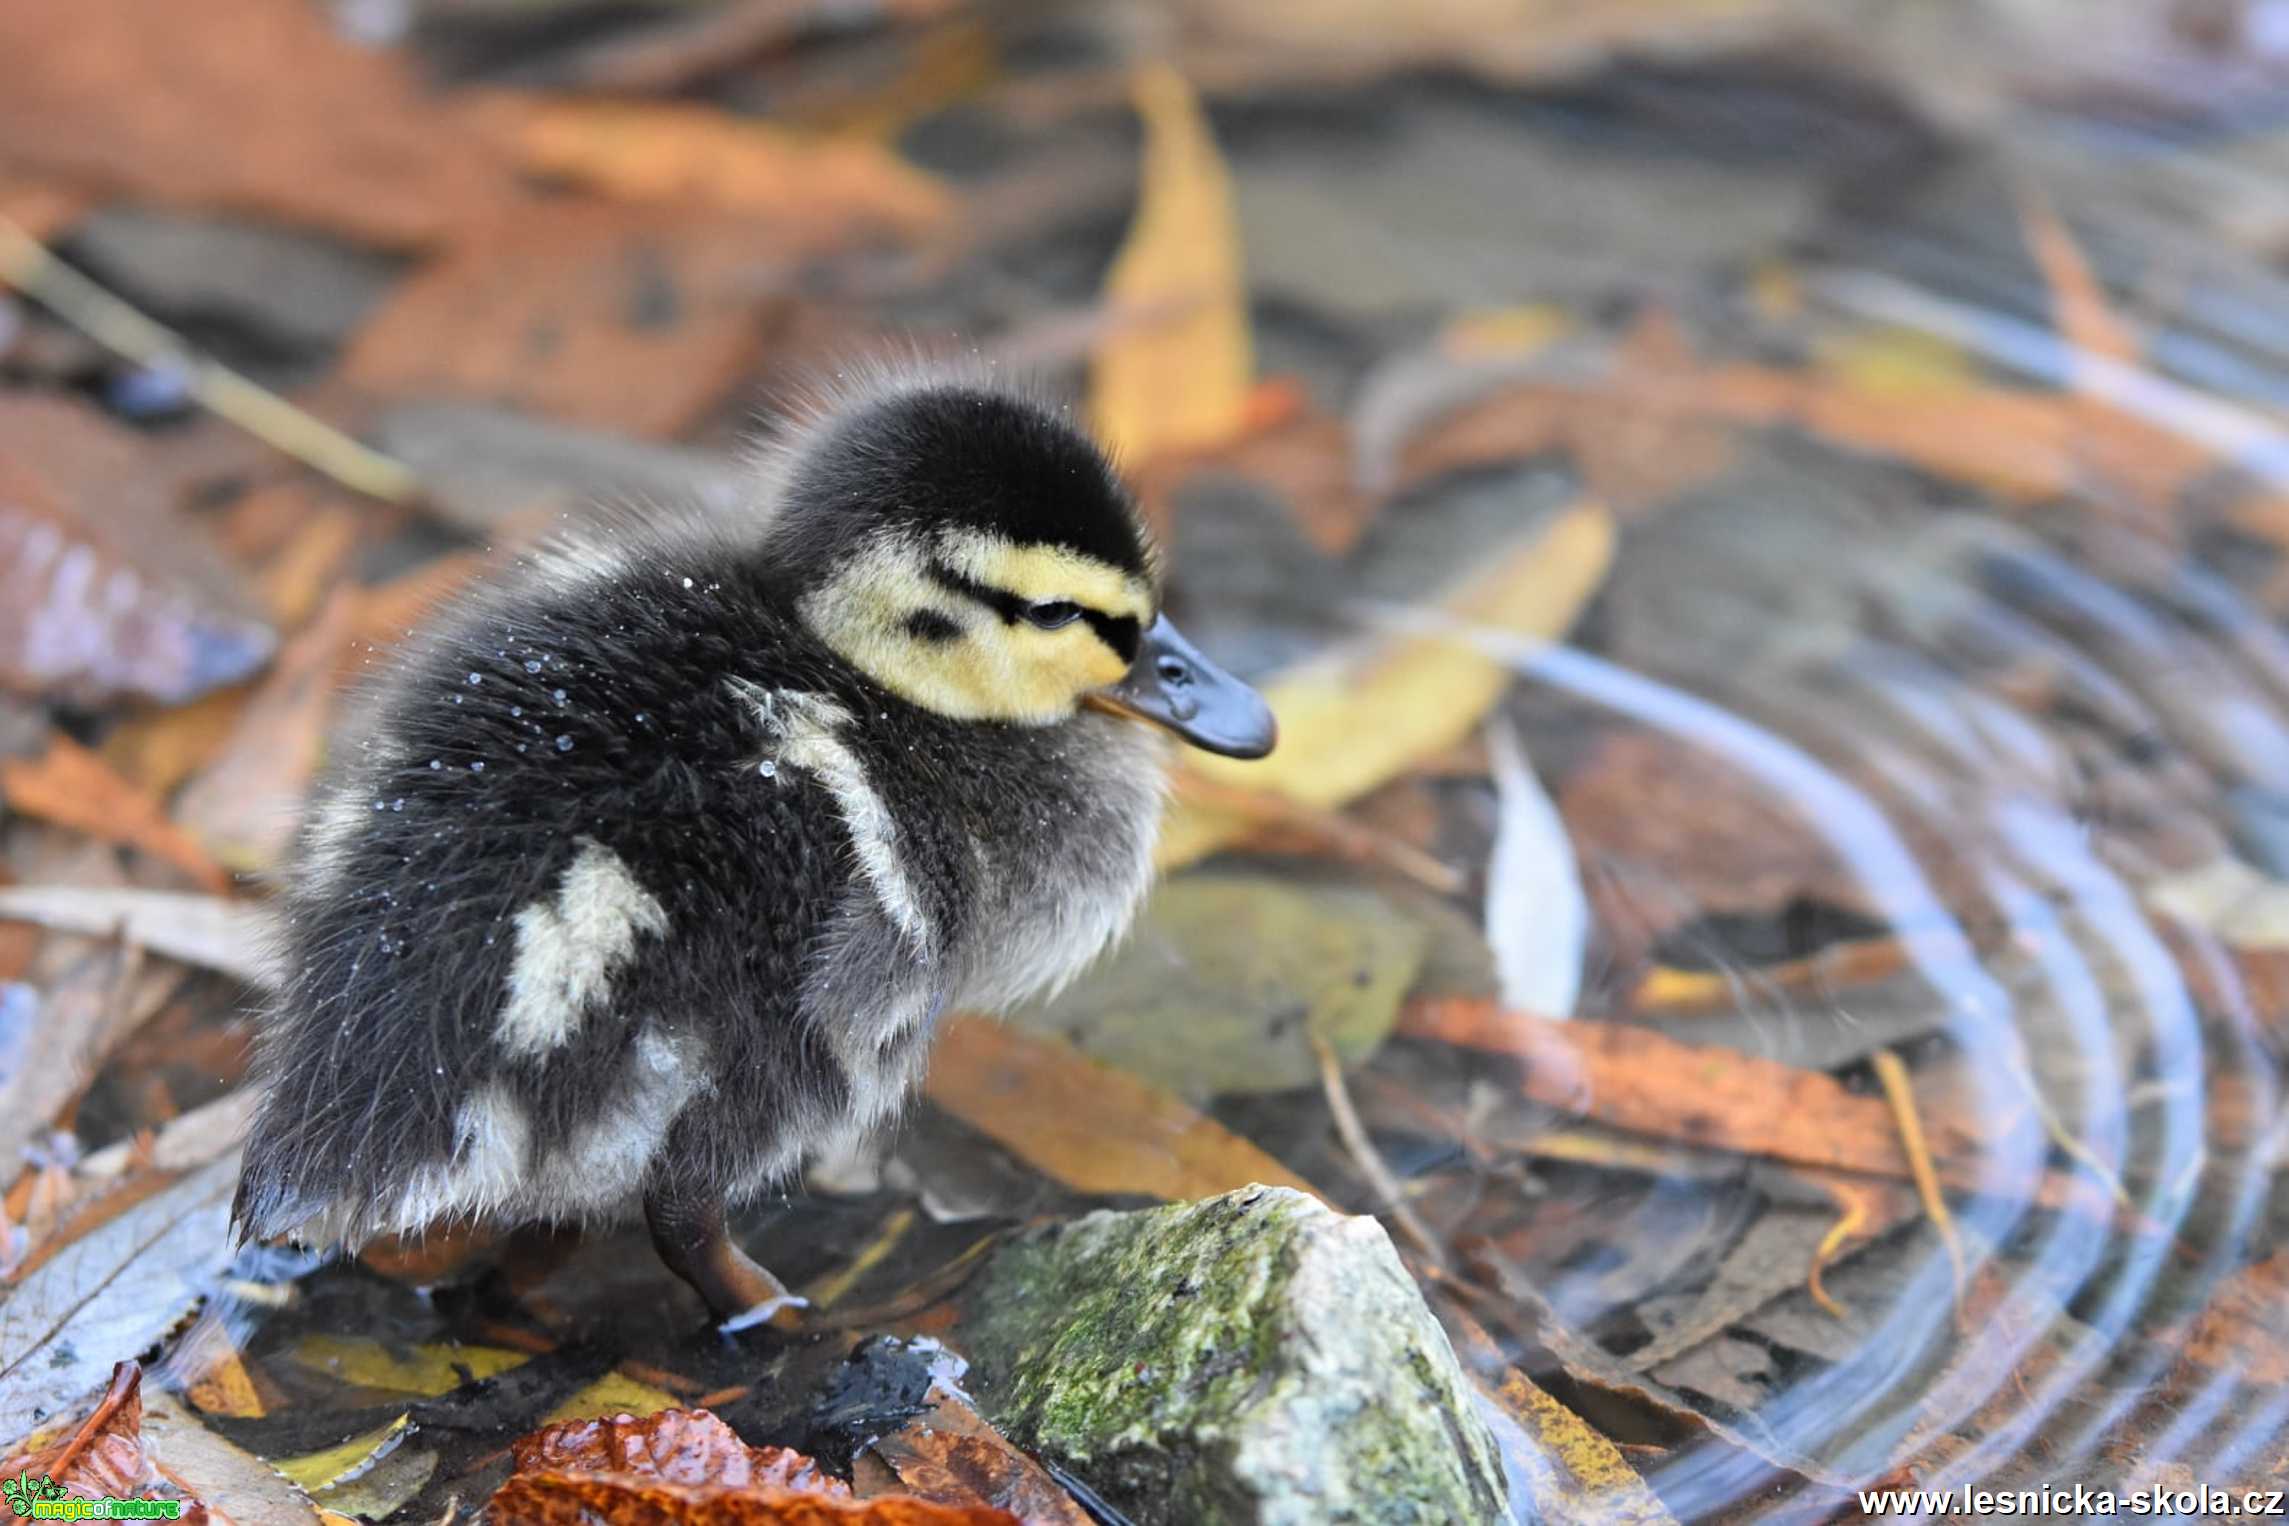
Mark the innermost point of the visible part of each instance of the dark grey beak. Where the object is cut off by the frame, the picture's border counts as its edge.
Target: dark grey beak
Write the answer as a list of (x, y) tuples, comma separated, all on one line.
[(1171, 684)]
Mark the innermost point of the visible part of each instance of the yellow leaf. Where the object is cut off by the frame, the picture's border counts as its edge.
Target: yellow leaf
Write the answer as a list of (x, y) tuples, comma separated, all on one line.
[(425, 1370), (1181, 380), (1504, 333), (615, 1393), (316, 1470), (1357, 718), (1898, 360)]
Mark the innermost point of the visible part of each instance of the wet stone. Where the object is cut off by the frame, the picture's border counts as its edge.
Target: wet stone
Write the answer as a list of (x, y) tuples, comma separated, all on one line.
[(1251, 1358)]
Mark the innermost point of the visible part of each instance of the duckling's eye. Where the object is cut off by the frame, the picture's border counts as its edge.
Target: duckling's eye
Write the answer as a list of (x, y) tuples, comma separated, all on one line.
[(1051, 613)]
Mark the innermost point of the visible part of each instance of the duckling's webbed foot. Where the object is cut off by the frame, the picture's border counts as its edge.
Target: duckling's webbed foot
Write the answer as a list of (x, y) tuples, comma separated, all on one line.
[(688, 1232)]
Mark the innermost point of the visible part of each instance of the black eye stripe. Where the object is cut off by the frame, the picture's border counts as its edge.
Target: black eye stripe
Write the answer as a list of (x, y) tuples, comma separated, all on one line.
[(931, 626), (1120, 632)]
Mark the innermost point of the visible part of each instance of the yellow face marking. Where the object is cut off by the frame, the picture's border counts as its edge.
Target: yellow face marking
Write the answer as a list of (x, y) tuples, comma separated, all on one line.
[(1039, 573), (989, 668)]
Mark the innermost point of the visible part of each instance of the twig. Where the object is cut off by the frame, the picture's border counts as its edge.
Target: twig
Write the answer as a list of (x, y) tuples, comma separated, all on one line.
[(27, 265), (824, 1294), (1900, 1093), (1853, 1221), (1367, 1158)]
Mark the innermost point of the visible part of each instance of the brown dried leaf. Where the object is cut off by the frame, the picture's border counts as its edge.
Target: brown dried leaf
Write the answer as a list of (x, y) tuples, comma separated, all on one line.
[(1182, 383), (100, 1456), (825, 188), (245, 803), (70, 786), (1091, 1127), (950, 1455), (622, 317), (112, 1293), (104, 590), (674, 1446), (2244, 1329), (240, 105)]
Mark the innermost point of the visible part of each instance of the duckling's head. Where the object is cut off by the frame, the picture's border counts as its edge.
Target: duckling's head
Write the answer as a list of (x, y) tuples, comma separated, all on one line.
[(972, 552)]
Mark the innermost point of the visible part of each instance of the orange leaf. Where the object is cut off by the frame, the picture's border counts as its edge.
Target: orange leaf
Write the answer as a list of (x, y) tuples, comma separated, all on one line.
[(616, 1499), (1648, 1083), (73, 787), (674, 1446), (701, 155), (1091, 1127), (2079, 309)]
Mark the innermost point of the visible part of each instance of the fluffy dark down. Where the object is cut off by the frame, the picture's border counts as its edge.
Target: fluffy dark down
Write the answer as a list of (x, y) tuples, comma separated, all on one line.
[(587, 698)]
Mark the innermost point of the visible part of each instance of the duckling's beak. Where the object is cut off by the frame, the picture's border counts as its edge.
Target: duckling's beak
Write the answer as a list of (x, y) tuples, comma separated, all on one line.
[(1173, 685)]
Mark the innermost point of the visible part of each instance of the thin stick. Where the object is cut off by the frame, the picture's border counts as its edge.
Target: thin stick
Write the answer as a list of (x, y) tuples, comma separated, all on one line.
[(27, 265), (1853, 1220), (1900, 1093), (1367, 1157)]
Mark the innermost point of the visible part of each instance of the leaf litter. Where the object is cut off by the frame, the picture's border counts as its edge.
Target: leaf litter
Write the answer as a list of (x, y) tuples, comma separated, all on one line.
[(1761, 1129)]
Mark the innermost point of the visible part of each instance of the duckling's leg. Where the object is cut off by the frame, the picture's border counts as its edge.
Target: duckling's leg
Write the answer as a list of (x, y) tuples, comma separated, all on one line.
[(687, 1230)]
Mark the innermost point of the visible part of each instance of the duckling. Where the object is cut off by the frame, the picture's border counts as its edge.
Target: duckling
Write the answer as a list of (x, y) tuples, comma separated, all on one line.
[(656, 861)]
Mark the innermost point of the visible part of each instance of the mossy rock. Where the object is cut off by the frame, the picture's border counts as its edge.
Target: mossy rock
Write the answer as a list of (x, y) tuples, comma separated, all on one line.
[(1252, 1358)]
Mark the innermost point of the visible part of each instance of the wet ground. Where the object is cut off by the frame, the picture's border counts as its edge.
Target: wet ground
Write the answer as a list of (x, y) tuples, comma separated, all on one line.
[(1767, 537)]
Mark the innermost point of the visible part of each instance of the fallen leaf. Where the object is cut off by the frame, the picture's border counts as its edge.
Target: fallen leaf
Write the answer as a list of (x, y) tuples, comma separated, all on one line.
[(320, 1470), (559, 1499), (1634, 1078), (230, 936), (2079, 309), (950, 1455), (104, 591), (612, 1393), (827, 187), (1094, 1128), (101, 1455), (1226, 977), (1182, 383), (1678, 834), (232, 1483), (2244, 907), (675, 1446), (1361, 716), (638, 318), (428, 1370), (1573, 1472), (1537, 918), (110, 1294), (246, 803), (70, 786), (2244, 1328), (80, 1001), (290, 121)]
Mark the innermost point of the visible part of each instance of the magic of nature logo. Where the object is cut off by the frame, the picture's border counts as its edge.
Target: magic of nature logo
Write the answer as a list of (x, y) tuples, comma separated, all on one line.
[(43, 1499)]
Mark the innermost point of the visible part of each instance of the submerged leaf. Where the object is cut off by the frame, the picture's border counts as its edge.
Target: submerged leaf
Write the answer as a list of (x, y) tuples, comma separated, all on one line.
[(1092, 1127), (1359, 717), (1228, 976)]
